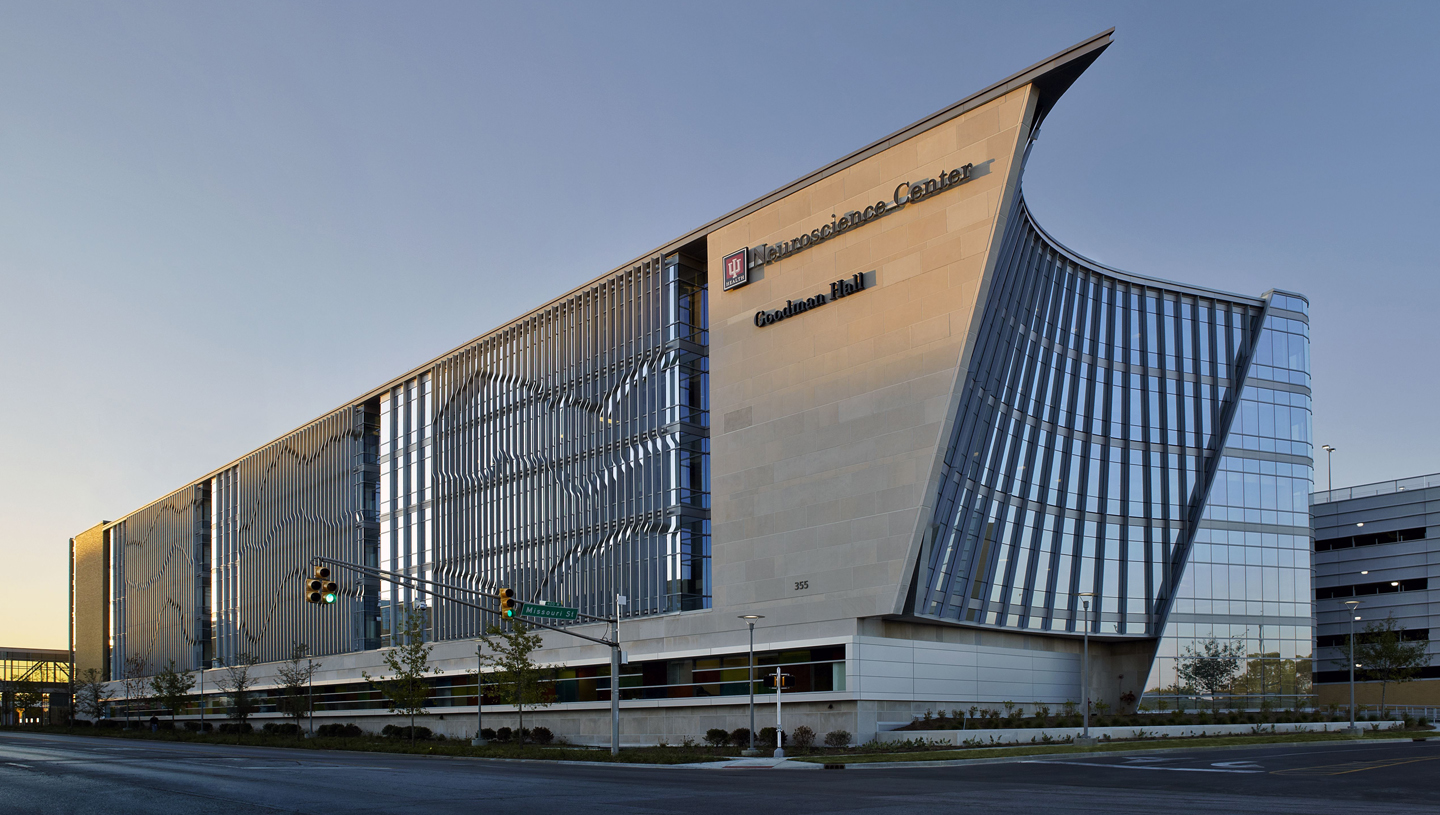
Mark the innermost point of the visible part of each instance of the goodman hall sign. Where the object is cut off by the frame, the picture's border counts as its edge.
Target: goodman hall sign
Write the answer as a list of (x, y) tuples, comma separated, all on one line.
[(737, 265), (840, 288)]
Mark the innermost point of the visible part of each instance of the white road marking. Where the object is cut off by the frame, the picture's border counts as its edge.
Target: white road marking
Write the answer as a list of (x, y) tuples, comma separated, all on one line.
[(21, 766), (1143, 767)]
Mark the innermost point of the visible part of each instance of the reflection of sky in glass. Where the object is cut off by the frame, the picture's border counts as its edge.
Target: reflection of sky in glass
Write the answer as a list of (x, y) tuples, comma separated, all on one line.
[(405, 486), (1085, 437), (1248, 578)]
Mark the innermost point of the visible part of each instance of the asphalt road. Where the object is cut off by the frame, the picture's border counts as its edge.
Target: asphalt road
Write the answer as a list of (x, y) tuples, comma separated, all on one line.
[(65, 774)]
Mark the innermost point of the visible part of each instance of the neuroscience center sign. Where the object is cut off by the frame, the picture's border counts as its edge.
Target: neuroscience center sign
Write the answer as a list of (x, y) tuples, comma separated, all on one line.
[(737, 265)]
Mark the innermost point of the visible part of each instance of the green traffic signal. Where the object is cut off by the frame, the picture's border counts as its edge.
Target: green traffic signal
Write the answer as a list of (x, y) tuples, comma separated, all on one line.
[(330, 597)]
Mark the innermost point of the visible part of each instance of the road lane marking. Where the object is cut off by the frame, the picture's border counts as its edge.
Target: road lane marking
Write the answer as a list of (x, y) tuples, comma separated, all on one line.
[(21, 766), (1352, 766), (1144, 767)]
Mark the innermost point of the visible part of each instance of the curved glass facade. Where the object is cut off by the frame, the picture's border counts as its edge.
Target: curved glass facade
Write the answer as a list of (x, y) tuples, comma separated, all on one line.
[(1111, 430)]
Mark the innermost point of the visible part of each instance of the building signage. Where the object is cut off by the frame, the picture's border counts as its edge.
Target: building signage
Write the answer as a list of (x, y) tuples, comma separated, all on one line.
[(840, 288), (736, 272), (906, 192)]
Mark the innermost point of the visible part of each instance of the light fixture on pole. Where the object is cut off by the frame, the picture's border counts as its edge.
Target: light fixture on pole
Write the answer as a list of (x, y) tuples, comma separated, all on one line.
[(310, 692), (1351, 606), (751, 618), (1329, 475), (1085, 668), (479, 740)]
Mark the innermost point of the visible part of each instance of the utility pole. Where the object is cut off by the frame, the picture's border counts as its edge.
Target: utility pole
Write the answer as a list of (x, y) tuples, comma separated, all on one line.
[(1351, 606), (479, 740), (751, 618), (310, 693), (615, 679), (1085, 671)]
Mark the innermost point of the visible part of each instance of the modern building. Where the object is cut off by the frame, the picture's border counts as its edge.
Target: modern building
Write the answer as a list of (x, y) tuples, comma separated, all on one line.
[(879, 406), (34, 685), (1378, 544)]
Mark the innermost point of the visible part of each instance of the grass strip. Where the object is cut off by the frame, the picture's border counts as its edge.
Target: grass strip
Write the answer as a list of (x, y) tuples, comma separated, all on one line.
[(1100, 747), (449, 747)]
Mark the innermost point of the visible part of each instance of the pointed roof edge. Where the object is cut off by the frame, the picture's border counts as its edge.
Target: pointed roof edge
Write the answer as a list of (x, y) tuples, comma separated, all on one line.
[(1052, 76)]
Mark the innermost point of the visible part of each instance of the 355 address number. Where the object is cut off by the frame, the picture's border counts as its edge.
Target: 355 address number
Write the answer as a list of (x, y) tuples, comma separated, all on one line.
[(801, 585)]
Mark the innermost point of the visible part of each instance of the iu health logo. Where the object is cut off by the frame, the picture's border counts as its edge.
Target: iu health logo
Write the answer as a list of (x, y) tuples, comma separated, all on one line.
[(737, 273)]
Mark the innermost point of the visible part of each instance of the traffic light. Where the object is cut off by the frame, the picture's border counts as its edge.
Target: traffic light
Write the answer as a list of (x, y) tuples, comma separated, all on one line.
[(507, 602), (320, 588)]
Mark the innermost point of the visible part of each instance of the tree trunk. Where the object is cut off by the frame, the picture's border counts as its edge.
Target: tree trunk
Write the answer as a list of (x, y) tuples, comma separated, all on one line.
[(412, 729)]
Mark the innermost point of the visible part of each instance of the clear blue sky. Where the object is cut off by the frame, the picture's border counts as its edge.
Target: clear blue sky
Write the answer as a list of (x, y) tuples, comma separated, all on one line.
[(219, 221)]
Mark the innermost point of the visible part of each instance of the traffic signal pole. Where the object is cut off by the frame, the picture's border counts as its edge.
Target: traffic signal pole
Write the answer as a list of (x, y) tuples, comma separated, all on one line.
[(435, 588)]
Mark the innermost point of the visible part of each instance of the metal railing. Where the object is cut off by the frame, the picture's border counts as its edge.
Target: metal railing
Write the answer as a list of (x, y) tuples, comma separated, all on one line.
[(1377, 488)]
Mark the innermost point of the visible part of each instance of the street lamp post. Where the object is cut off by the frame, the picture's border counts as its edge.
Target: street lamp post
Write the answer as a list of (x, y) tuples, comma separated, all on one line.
[(1085, 667), (479, 740), (751, 618), (1329, 474), (1351, 606), (310, 692)]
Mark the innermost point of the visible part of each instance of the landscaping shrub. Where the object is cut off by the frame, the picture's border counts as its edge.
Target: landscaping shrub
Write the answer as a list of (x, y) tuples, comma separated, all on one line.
[(167, 726), (109, 724), (717, 737), (403, 733), (281, 728), (237, 727), (542, 735), (803, 737), (339, 731), (766, 736), (740, 737), (504, 734), (837, 738), (193, 727), (487, 733)]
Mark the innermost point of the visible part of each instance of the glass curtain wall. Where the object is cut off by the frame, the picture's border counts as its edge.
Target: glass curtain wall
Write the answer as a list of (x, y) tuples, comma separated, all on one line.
[(565, 456), (1248, 583), (1092, 420)]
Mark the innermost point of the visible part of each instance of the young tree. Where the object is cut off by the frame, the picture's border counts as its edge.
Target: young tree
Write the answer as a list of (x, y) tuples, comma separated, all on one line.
[(238, 683), (90, 695), (406, 690), (135, 669), (296, 674), (517, 677), (172, 687), (1386, 657), (1211, 668)]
